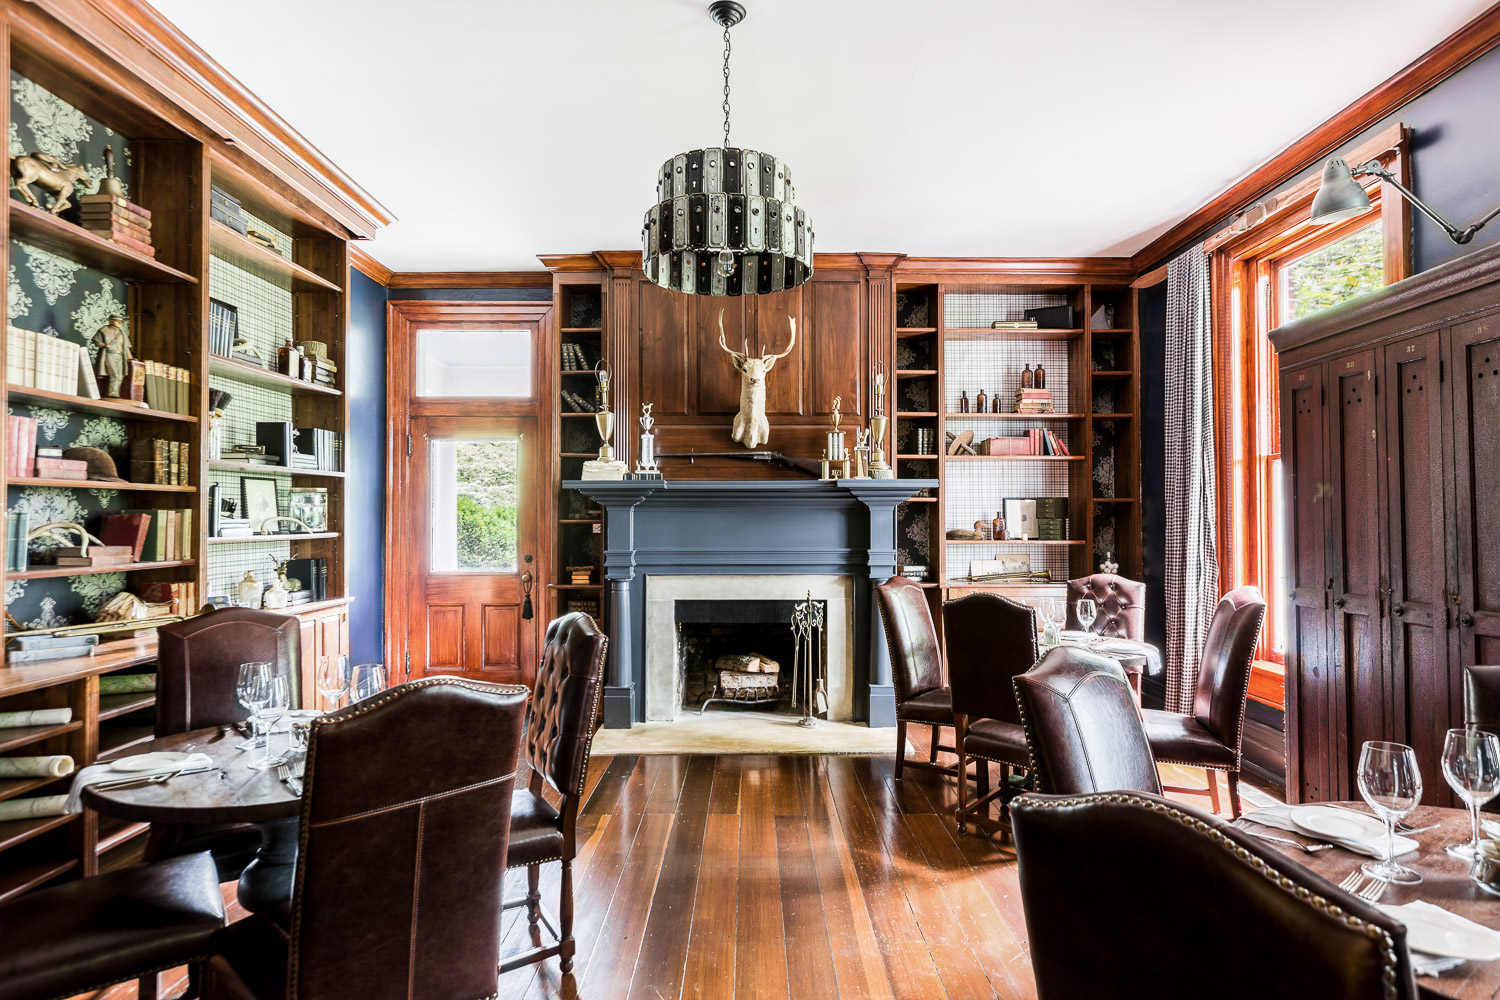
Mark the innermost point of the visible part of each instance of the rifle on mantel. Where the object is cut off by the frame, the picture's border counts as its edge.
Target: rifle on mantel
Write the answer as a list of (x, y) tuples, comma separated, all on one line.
[(808, 465)]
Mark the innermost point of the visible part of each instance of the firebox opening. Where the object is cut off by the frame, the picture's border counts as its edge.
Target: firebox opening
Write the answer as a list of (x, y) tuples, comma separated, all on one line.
[(715, 636)]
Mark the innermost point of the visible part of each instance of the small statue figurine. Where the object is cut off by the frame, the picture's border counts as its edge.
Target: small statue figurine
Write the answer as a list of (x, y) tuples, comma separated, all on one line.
[(114, 351), (57, 178)]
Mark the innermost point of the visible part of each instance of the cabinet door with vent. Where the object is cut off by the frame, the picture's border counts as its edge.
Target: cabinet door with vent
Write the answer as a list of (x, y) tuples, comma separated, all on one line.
[(1416, 609), (1474, 360), (1357, 562), (1311, 755)]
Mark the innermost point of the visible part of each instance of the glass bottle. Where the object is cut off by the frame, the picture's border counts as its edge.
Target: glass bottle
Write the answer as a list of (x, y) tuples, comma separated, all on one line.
[(995, 403), (963, 401), (1027, 378), (997, 527), (1039, 377), (981, 401)]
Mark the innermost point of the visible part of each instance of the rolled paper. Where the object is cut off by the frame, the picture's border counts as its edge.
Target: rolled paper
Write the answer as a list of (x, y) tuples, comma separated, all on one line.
[(127, 683), (36, 717), (33, 808), (57, 766)]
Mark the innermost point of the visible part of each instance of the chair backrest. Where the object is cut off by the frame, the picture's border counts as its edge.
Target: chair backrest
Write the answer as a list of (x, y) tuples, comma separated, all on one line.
[(1108, 878), (1224, 670), (911, 638), (564, 710), (1083, 731), (1482, 697), (405, 825), (198, 665), (1122, 605), (989, 639)]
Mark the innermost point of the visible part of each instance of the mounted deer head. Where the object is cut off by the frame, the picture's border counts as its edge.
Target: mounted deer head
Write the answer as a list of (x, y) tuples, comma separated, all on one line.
[(750, 426)]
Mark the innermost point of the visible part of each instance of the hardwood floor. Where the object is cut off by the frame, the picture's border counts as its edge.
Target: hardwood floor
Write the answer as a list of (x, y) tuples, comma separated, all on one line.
[(779, 877)]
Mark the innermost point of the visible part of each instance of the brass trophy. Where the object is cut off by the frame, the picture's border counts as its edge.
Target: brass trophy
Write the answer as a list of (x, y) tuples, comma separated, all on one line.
[(878, 422), (605, 466)]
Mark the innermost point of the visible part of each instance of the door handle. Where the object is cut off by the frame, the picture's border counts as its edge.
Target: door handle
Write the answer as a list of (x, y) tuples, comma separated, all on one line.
[(1466, 620), (1338, 602), (1398, 610), (527, 612)]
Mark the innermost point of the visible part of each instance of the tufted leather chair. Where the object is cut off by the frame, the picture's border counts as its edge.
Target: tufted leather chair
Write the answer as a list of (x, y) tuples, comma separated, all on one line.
[(401, 857), (560, 726), (197, 667), (1482, 706), (916, 669), (990, 639), (1085, 861), (1083, 730), (91, 933), (1209, 737), (1122, 605)]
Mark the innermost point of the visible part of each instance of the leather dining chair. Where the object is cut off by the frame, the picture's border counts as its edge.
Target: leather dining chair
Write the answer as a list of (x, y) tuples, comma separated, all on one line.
[(990, 639), (916, 670), (1083, 730), (1482, 706), (560, 725), (197, 670), (1121, 603), (1210, 736), (84, 935), (401, 857), (1109, 878)]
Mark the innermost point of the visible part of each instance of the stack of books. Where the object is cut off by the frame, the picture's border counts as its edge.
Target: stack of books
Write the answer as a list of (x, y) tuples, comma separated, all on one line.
[(577, 403), (581, 574), (38, 361), (17, 524), (117, 220), (20, 447), (57, 467), (307, 580), (1033, 401), (223, 327), (181, 596), (159, 462), (94, 555), (1014, 324), (235, 527), (590, 608), (31, 648), (169, 535), (574, 360), (316, 448), (168, 387), (250, 454), (1036, 441)]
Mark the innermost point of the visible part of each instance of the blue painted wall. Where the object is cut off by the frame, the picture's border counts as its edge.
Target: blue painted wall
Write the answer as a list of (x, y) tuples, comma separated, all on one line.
[(365, 545)]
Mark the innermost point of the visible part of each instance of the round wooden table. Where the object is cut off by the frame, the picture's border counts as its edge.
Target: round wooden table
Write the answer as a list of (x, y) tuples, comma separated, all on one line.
[(1445, 881), (236, 794)]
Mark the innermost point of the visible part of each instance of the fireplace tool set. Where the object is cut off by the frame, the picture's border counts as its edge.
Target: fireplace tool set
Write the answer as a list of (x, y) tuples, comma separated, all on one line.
[(807, 661)]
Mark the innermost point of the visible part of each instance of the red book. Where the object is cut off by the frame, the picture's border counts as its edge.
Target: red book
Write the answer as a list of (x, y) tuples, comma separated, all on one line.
[(101, 213), (28, 448), (113, 200), (136, 245), (126, 529), (117, 229)]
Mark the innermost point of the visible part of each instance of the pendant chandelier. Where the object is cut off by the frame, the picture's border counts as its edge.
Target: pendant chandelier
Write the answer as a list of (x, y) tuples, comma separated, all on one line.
[(725, 220)]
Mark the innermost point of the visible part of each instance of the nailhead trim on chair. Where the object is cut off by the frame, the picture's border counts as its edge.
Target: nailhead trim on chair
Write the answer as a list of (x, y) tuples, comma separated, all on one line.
[(1303, 894), (133, 976)]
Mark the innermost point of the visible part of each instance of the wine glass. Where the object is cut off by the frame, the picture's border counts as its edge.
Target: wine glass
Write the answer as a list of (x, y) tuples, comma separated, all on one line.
[(253, 690), (273, 710), (333, 678), (1087, 610), (368, 679), (1391, 783), (1471, 763)]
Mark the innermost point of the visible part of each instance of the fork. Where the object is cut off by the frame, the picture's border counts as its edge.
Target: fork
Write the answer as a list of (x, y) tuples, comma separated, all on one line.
[(1352, 880), (284, 773), (1371, 892), (1305, 848)]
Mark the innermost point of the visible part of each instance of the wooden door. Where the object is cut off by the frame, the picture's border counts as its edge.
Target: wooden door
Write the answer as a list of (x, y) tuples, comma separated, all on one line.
[(1474, 363), (1356, 560), (1311, 771), (1416, 587), (474, 526)]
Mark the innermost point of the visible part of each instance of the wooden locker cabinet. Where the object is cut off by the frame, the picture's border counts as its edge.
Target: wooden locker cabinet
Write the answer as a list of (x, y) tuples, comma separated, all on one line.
[(1390, 426), (324, 632)]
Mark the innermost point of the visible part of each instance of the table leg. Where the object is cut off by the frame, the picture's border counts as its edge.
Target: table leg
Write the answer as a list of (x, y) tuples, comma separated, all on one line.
[(266, 882)]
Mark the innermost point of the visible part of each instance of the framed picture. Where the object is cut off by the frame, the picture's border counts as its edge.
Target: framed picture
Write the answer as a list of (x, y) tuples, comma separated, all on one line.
[(309, 504), (259, 494)]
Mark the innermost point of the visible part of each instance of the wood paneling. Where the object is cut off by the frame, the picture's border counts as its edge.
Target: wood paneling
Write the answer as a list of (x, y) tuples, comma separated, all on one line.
[(839, 360), (663, 354), (445, 637), (769, 330), (500, 634), (708, 373)]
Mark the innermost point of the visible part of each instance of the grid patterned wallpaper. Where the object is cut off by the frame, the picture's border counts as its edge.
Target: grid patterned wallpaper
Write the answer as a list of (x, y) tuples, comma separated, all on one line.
[(996, 366), (963, 310)]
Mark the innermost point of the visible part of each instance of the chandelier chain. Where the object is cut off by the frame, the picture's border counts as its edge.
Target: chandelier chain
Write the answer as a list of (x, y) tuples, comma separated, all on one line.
[(726, 86)]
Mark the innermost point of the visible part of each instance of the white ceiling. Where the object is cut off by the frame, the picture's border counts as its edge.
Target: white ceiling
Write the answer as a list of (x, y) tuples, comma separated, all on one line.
[(499, 129)]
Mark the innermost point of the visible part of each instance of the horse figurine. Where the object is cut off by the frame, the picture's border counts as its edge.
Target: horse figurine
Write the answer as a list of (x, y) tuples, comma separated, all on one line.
[(56, 177)]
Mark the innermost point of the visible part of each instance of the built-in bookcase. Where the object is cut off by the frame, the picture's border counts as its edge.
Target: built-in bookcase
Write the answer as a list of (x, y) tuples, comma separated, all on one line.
[(580, 523)]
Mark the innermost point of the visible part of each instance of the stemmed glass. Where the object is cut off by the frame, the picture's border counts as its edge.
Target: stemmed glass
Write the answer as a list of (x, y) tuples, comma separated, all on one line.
[(1391, 783), (1087, 612), (1471, 763), (333, 678), (273, 710), (253, 689), (368, 679)]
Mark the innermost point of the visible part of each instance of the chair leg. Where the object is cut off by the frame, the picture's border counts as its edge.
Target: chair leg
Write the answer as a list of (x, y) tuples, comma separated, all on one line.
[(145, 988), (1213, 787), (936, 738), (900, 746), (565, 919), (1234, 795), (533, 894), (960, 733)]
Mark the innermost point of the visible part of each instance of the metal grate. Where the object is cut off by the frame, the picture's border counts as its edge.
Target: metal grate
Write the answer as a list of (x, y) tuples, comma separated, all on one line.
[(996, 366)]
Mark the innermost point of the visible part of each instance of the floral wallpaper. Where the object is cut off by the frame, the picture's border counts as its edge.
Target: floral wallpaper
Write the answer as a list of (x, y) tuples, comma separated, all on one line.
[(57, 297)]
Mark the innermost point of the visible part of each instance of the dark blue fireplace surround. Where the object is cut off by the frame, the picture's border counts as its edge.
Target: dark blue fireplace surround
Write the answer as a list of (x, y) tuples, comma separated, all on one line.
[(846, 526)]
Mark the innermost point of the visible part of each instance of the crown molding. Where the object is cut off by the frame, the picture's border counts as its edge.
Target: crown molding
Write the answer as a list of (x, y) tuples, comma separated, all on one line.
[(369, 266), (470, 279), (1064, 268)]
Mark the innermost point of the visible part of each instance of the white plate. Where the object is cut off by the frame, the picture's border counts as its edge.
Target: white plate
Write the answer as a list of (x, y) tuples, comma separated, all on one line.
[(149, 761), (1446, 935), (1077, 635), (1338, 824)]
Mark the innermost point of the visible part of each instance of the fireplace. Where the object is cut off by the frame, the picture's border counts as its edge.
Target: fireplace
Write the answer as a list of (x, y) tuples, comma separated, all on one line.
[(737, 654)]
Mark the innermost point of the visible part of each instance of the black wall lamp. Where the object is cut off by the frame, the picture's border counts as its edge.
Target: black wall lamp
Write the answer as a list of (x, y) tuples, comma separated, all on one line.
[(1341, 197)]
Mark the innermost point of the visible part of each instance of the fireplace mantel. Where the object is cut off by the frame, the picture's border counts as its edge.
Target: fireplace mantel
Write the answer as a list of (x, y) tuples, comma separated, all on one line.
[(771, 527)]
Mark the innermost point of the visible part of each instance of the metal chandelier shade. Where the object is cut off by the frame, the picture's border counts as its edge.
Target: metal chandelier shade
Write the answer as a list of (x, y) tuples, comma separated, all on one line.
[(725, 220)]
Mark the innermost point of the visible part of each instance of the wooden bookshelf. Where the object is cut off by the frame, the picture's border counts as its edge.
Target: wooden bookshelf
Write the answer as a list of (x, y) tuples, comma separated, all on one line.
[(577, 536), (52, 572), (45, 230), (242, 372), (120, 409)]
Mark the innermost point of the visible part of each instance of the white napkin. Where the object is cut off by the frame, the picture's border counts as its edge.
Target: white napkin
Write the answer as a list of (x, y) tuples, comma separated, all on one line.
[(106, 772), (1430, 965), (1281, 818)]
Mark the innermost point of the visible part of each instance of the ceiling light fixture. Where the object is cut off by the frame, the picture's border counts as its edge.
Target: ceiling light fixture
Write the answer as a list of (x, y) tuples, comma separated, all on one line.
[(725, 220), (1341, 197)]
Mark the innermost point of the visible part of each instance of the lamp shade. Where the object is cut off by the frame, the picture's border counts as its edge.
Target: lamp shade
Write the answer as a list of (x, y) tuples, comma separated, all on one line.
[(1339, 196), (726, 222)]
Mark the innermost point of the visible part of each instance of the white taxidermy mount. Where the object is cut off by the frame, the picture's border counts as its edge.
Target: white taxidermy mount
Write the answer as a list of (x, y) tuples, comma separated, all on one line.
[(750, 425)]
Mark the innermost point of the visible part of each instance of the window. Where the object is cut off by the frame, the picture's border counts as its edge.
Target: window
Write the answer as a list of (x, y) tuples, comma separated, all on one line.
[(472, 485), (488, 363)]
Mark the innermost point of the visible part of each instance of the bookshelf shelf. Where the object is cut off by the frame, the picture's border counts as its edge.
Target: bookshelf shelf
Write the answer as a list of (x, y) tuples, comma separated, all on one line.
[(265, 264), (98, 484), (28, 878), (14, 739), (45, 230), (985, 333), (114, 705), (80, 404), (1016, 416), (1016, 458), (248, 469), (12, 787), (241, 372), (253, 539), (51, 572), (1012, 541), (18, 831)]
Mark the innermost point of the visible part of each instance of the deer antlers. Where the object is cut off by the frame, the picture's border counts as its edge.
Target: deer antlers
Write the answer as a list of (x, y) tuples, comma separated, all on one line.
[(740, 358)]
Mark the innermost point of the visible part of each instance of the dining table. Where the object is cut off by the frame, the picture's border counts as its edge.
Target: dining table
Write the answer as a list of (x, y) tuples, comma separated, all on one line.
[(1445, 882), (1135, 657), (231, 791)]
